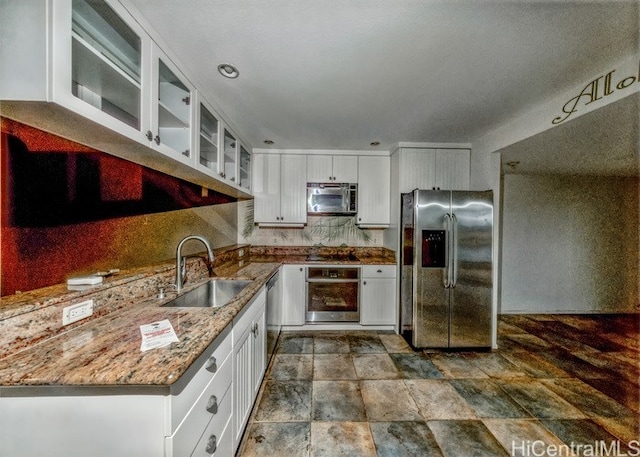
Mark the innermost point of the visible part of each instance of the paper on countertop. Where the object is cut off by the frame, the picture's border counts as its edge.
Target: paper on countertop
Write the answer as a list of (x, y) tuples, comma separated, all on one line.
[(157, 335)]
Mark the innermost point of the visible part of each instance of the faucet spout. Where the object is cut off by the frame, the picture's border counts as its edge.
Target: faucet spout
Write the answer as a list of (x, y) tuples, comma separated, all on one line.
[(181, 268)]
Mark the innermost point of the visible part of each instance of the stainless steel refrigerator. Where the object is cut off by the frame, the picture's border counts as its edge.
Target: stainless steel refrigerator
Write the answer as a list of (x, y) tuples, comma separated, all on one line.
[(446, 274)]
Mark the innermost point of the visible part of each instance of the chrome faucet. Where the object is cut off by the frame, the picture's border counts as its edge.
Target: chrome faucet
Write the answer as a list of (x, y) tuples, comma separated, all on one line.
[(181, 264)]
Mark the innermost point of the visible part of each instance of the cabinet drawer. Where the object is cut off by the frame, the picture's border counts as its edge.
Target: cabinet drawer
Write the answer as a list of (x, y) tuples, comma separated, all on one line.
[(217, 440), (199, 417), (190, 386), (378, 271)]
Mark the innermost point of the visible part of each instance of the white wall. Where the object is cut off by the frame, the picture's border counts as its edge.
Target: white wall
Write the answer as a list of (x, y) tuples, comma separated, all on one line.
[(569, 244)]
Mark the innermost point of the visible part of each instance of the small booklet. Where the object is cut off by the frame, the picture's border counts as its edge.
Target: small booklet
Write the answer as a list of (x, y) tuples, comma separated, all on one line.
[(157, 334)]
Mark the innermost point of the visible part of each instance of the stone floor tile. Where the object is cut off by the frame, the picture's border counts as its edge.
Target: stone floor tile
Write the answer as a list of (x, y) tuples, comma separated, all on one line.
[(415, 366), (534, 365), (518, 435), (337, 401), (539, 401), (344, 439), (494, 365), (330, 344), (583, 432), (488, 400), (394, 343), (285, 401), (437, 399), (454, 365), (388, 401), (289, 367), (292, 344), (587, 399), (465, 438), (333, 366), (625, 428), (404, 439), (365, 343), (290, 439), (375, 366)]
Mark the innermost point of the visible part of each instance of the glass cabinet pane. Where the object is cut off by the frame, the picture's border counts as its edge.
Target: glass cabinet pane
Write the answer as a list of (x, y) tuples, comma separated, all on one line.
[(106, 56), (230, 148), (174, 99), (208, 139), (245, 168)]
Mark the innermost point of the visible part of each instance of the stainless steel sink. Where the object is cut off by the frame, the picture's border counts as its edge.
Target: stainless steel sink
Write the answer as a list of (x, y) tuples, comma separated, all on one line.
[(213, 294)]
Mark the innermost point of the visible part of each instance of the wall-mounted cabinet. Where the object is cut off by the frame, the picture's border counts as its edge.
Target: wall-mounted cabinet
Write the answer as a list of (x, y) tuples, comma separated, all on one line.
[(373, 191), (429, 168), (244, 169), (280, 189), (332, 168), (229, 156), (86, 70)]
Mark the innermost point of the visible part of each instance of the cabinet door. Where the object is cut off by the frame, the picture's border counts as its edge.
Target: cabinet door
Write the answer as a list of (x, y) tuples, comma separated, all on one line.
[(373, 191), (293, 189), (242, 382), (230, 156), (345, 169), (417, 169), (452, 169), (259, 350), (266, 187), (244, 168), (378, 301), (319, 168), (171, 110), (293, 295), (208, 143)]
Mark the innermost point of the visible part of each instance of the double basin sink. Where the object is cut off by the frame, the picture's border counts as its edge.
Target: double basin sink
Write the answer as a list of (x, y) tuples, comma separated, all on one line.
[(214, 293)]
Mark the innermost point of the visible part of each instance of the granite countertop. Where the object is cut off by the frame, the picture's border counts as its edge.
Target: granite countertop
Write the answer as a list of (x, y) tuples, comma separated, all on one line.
[(106, 351)]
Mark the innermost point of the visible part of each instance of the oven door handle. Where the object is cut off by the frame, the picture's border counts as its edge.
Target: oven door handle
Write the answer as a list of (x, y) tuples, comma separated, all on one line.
[(333, 280)]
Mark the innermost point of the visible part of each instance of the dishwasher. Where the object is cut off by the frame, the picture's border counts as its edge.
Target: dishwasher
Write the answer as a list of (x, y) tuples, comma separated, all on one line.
[(273, 313)]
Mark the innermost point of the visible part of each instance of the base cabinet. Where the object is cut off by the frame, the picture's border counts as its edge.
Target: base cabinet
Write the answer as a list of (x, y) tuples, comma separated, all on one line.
[(293, 295), (378, 295), (202, 414)]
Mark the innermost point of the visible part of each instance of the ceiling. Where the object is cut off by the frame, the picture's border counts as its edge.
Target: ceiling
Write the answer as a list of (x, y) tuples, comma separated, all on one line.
[(336, 74)]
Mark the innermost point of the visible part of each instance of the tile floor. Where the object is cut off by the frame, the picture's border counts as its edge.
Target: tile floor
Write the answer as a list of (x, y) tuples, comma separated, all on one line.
[(555, 380)]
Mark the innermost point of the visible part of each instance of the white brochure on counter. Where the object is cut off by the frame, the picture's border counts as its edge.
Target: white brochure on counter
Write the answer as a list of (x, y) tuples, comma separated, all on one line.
[(157, 334)]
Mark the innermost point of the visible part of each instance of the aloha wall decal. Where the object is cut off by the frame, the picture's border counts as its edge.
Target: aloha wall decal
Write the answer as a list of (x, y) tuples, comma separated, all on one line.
[(595, 90)]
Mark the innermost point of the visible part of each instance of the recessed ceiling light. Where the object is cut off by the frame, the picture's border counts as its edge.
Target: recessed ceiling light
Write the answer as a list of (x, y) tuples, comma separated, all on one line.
[(268, 142), (228, 71), (374, 143)]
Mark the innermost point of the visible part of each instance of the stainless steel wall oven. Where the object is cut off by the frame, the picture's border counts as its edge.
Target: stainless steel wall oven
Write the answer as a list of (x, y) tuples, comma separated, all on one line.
[(333, 294)]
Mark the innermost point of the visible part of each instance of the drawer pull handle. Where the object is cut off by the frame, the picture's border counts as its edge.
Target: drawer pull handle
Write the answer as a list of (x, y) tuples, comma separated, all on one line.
[(212, 365), (379, 271), (212, 445), (212, 404)]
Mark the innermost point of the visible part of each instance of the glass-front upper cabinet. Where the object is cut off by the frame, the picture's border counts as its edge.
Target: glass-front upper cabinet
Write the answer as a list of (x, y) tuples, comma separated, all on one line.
[(230, 156), (171, 120), (106, 56), (245, 168), (209, 136)]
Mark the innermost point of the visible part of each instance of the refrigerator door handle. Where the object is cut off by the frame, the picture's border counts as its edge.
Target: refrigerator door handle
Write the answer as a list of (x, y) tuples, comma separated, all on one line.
[(446, 275), (454, 249)]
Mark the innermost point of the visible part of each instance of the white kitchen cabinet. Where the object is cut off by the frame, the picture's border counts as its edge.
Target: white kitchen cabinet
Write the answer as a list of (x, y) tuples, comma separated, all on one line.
[(87, 71), (229, 156), (332, 168), (249, 357), (172, 113), (244, 168), (293, 295), (378, 304), (373, 191), (280, 189), (208, 140), (124, 421), (429, 168)]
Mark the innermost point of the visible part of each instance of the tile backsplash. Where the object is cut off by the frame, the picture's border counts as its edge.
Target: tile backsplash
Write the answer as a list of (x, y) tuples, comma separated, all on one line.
[(320, 230)]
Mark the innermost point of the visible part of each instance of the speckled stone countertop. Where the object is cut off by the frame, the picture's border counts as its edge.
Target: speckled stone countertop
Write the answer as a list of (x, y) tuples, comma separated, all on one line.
[(104, 350)]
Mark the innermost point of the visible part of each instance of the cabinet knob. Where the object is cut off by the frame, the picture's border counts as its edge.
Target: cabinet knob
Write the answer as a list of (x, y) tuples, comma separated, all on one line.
[(255, 329), (233, 179), (212, 445), (157, 139), (379, 271), (212, 365), (149, 135), (212, 404), (364, 283)]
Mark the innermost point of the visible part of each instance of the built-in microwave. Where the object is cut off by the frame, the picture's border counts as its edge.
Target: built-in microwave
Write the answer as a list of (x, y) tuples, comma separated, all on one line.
[(332, 198)]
